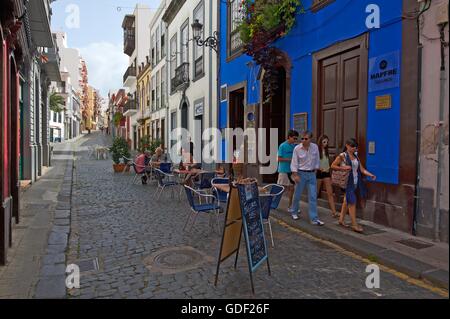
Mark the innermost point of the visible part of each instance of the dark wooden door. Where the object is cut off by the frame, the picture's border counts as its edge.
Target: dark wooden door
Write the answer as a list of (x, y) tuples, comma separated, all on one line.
[(274, 116), (340, 99), (237, 109)]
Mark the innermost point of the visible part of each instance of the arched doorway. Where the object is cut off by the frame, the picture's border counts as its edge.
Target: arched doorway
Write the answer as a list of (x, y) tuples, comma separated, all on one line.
[(276, 112)]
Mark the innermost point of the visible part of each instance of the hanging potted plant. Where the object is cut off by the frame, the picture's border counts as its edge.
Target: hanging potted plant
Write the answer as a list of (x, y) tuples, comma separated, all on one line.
[(264, 22), (119, 149)]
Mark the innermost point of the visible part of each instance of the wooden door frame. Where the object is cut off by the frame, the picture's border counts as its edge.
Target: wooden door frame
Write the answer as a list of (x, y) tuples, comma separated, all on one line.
[(231, 89), (361, 42)]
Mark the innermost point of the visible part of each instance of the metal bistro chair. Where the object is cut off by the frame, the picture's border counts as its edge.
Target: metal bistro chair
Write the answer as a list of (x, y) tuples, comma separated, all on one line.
[(270, 201), (204, 185), (210, 207), (221, 196), (166, 167), (128, 162), (164, 180), (137, 174)]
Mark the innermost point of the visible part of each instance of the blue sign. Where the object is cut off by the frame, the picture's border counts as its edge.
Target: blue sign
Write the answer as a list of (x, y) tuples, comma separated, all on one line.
[(384, 72)]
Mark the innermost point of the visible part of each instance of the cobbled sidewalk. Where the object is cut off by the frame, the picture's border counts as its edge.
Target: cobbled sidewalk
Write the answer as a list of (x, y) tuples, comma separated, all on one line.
[(142, 251)]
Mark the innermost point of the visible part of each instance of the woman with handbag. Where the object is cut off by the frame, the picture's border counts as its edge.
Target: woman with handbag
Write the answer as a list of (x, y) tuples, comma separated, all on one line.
[(348, 165), (323, 174)]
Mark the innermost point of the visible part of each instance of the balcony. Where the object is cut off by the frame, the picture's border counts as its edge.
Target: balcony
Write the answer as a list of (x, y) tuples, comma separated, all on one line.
[(129, 34), (51, 67), (130, 108), (129, 77), (181, 79), (39, 19)]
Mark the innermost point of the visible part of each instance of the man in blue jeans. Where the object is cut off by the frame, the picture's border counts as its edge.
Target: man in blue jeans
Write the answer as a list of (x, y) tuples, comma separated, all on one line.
[(305, 163)]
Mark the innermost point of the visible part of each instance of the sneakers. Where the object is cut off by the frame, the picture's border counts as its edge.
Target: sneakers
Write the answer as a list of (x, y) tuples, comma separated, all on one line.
[(294, 216), (291, 211), (318, 222)]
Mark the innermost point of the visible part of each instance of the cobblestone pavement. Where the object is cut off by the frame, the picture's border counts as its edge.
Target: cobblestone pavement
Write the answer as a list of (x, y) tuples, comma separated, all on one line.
[(132, 235)]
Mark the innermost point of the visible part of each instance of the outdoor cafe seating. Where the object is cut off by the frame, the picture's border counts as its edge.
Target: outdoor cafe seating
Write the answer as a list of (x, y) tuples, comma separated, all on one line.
[(201, 203)]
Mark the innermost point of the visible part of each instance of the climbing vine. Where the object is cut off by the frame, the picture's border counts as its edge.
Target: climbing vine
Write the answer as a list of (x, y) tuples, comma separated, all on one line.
[(263, 22)]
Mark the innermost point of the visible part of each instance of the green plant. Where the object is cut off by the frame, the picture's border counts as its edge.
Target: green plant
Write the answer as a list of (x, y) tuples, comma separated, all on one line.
[(264, 22), (56, 102), (144, 143), (117, 117), (118, 149), (154, 144)]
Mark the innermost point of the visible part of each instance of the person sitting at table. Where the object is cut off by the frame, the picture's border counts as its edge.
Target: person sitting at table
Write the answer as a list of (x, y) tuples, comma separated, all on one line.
[(141, 161), (158, 156)]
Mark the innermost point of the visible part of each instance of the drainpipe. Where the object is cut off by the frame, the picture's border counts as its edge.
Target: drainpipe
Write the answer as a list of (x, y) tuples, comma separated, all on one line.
[(418, 139), (441, 136)]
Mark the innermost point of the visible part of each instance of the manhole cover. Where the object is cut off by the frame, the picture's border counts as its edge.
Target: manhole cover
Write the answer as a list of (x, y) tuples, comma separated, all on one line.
[(414, 243), (88, 265), (176, 259)]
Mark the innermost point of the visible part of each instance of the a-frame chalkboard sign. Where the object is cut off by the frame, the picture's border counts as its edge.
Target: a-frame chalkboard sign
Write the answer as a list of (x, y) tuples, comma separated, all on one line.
[(243, 215)]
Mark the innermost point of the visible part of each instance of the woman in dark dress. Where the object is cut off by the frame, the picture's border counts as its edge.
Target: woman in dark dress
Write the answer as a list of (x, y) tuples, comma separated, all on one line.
[(349, 161)]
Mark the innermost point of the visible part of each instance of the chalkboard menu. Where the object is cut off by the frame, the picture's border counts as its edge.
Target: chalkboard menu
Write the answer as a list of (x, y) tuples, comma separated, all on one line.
[(253, 227)]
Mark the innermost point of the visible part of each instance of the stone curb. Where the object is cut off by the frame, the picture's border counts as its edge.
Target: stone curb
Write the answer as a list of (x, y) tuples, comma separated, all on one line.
[(378, 254), (51, 284)]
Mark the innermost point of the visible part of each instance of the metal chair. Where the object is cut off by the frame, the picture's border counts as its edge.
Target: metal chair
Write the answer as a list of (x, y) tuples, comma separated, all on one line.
[(204, 185), (277, 191), (164, 180), (165, 167), (268, 202), (221, 196), (210, 207), (137, 172)]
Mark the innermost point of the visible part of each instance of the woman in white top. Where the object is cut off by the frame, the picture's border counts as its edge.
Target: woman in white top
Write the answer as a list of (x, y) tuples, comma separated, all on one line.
[(324, 175), (349, 161)]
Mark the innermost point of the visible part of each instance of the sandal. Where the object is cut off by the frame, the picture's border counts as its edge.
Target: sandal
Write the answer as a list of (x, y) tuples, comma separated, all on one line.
[(343, 224), (357, 229), (335, 215)]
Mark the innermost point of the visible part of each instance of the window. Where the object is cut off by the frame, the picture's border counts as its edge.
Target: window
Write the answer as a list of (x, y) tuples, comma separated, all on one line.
[(163, 86), (153, 50), (147, 90), (163, 40), (153, 93), (158, 90), (198, 50), (173, 57), (157, 45), (184, 42), (234, 19), (173, 125), (55, 117)]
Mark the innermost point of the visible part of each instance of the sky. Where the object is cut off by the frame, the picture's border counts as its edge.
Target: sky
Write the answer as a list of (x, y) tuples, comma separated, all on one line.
[(98, 34)]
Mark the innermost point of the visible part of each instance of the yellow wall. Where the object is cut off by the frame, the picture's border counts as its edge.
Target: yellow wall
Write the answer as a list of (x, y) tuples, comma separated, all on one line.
[(143, 89)]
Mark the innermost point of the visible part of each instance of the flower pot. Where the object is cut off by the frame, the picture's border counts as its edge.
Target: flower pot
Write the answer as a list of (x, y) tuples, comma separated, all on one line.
[(118, 168)]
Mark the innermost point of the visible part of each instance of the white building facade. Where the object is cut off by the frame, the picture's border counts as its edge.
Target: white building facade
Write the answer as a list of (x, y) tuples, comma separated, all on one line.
[(192, 69), (136, 46)]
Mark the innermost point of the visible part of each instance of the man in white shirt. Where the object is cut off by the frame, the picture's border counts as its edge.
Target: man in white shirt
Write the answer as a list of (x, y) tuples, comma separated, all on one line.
[(305, 163)]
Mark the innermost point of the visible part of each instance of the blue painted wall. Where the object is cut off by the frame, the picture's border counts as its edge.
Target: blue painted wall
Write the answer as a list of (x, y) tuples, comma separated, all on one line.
[(341, 20)]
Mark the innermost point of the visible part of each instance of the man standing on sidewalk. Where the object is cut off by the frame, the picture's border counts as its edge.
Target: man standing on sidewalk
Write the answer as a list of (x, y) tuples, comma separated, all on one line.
[(285, 152), (305, 163)]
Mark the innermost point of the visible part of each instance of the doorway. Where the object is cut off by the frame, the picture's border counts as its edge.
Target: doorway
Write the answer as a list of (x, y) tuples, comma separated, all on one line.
[(341, 95), (274, 116), (236, 111)]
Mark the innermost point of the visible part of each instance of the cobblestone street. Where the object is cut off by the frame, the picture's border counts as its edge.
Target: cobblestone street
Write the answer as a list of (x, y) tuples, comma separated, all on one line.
[(143, 252)]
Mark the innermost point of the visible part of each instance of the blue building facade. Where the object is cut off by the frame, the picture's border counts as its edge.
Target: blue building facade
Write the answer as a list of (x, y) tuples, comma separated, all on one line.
[(343, 77)]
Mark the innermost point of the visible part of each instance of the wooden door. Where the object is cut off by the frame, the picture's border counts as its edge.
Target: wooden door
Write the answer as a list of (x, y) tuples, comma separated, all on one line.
[(341, 99), (274, 116)]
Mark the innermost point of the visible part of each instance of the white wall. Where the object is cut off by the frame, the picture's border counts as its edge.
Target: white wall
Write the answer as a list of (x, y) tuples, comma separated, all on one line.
[(206, 87)]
